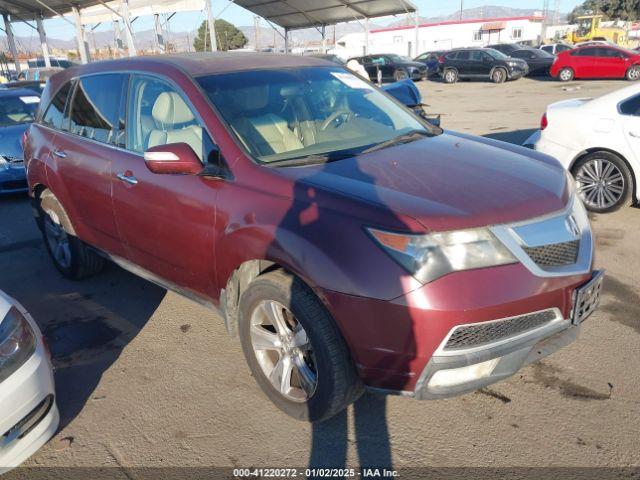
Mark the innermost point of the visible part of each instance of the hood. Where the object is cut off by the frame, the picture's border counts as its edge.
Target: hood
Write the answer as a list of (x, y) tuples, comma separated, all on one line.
[(413, 64), (11, 140), (447, 182)]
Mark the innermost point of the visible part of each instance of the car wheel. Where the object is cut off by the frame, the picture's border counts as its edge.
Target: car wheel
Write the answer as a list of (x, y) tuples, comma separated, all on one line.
[(603, 182), (72, 257), (633, 73), (294, 349), (450, 76), (400, 75), (499, 75), (565, 75)]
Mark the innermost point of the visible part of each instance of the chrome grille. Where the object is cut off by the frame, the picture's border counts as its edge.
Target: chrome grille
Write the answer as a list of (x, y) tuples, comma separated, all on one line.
[(555, 254), (470, 336)]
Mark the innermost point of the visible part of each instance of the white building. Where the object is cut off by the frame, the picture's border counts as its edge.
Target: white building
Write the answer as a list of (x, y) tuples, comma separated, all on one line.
[(442, 36)]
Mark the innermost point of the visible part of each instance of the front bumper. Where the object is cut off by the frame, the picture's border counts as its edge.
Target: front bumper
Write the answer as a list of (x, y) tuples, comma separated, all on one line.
[(29, 414), (13, 180)]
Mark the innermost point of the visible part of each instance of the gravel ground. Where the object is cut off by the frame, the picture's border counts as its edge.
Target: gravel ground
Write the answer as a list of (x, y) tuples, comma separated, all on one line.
[(147, 378)]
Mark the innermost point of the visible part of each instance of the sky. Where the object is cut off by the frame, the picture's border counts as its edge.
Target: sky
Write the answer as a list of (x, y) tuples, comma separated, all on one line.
[(58, 28)]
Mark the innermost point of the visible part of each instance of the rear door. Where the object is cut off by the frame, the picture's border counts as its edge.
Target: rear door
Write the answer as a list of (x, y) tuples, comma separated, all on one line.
[(167, 221), (630, 113), (462, 64), (612, 63), (84, 149)]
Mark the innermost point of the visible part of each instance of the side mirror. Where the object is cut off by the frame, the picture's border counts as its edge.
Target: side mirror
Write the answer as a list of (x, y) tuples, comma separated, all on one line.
[(176, 158)]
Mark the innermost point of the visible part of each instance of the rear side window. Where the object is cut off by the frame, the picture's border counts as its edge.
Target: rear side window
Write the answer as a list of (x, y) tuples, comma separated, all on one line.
[(54, 115), (631, 106), (95, 111), (587, 52)]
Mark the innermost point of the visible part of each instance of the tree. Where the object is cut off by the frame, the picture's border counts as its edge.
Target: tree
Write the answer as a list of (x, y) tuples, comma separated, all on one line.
[(228, 36), (611, 9)]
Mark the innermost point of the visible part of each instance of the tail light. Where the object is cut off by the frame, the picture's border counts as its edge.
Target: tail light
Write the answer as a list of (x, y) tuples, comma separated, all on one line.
[(544, 123), (441, 59)]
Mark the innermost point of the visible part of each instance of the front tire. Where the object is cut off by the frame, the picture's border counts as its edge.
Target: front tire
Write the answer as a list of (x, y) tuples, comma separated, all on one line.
[(294, 349), (633, 74), (499, 75), (566, 74), (603, 182), (72, 257)]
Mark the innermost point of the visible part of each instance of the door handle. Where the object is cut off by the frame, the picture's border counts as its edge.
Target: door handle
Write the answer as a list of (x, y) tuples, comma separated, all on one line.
[(60, 153), (634, 135), (130, 179)]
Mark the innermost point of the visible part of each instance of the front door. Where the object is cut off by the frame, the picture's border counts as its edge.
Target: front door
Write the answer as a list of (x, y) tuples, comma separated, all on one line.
[(630, 110), (167, 221)]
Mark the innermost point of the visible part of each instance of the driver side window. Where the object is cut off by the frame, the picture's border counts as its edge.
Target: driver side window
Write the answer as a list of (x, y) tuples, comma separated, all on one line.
[(157, 115)]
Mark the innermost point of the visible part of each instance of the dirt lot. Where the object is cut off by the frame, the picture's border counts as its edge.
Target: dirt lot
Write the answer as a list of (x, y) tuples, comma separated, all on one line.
[(147, 378)]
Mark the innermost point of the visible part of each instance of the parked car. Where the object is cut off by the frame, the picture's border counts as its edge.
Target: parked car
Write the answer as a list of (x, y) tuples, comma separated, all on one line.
[(392, 67), (538, 61), (55, 62), (556, 48), (27, 395), (598, 141), (346, 241), (480, 63), (34, 85), (594, 43), (430, 59), (38, 74), (330, 57), (597, 62), (17, 110), (506, 48)]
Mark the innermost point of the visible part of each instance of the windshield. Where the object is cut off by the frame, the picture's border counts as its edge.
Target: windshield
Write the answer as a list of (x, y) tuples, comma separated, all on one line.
[(496, 54), (17, 109), (320, 111)]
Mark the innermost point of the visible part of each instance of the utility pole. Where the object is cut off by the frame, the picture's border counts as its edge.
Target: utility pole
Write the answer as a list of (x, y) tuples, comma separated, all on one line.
[(212, 26), (256, 32), (461, 8)]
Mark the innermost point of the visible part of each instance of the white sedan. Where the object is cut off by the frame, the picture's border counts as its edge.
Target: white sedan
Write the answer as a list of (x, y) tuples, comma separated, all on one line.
[(28, 412), (598, 141)]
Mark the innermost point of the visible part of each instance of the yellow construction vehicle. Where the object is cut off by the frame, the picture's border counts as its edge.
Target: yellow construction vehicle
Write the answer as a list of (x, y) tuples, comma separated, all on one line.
[(589, 29)]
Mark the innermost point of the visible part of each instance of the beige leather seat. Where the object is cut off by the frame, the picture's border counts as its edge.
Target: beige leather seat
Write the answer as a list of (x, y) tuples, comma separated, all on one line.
[(175, 123), (264, 133)]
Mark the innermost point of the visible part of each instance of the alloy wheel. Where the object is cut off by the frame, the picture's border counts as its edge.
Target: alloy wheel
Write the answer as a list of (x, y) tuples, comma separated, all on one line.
[(57, 239), (283, 351), (600, 183), (565, 75), (450, 76), (634, 73)]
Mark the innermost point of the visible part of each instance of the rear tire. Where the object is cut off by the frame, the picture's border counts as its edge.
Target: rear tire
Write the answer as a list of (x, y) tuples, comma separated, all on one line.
[(633, 74), (326, 358), (450, 76), (70, 255), (603, 181), (566, 74), (499, 75)]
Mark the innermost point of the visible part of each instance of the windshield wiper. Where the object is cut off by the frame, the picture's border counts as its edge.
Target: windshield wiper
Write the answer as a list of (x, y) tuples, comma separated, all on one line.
[(313, 159), (411, 136)]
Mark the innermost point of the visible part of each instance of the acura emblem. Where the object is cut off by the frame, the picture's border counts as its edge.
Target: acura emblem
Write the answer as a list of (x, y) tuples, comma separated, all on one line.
[(572, 225)]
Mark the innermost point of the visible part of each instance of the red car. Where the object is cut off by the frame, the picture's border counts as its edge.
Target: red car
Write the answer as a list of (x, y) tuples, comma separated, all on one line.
[(346, 241), (597, 61)]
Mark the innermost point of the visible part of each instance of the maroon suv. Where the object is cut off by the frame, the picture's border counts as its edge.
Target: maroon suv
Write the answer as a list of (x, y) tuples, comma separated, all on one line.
[(346, 241)]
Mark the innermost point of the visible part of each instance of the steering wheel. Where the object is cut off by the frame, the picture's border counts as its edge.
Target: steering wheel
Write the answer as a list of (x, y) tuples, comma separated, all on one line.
[(334, 116)]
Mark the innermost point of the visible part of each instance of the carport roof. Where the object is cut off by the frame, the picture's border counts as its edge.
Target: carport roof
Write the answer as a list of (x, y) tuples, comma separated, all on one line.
[(295, 14), (29, 9)]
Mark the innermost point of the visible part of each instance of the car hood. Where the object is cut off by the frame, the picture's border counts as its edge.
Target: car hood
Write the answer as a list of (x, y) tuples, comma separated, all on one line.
[(11, 140), (447, 182), (413, 64)]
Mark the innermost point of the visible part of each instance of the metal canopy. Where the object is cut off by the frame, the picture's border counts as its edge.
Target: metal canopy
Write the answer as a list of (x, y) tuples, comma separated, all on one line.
[(294, 14), (32, 9)]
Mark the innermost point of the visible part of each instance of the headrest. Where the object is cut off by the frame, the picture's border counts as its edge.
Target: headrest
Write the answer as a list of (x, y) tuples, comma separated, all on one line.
[(170, 109), (251, 98)]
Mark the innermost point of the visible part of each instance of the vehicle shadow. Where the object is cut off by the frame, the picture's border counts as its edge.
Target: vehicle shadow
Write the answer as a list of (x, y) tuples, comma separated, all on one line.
[(516, 137), (86, 324)]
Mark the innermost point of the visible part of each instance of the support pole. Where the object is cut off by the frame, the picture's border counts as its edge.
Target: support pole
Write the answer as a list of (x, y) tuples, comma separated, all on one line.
[(212, 26), (256, 32), (12, 42), (43, 42), (124, 11), (159, 37), (83, 46), (366, 36), (324, 39), (286, 40), (416, 51), (119, 42)]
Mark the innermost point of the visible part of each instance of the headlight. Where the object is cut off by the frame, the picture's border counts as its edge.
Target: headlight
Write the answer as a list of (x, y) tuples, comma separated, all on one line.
[(512, 64), (17, 343), (428, 257)]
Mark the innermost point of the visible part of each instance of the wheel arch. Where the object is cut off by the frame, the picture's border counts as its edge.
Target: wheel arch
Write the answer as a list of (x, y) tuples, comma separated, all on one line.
[(591, 150)]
